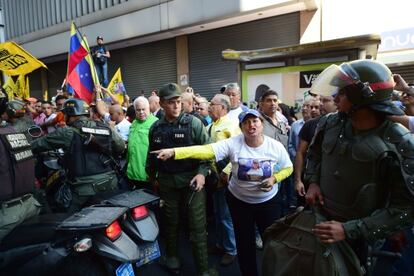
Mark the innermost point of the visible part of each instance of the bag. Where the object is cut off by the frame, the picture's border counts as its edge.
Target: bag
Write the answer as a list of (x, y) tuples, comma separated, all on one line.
[(291, 248)]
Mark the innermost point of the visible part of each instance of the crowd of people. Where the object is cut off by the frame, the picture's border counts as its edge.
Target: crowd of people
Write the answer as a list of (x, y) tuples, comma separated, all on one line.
[(254, 165)]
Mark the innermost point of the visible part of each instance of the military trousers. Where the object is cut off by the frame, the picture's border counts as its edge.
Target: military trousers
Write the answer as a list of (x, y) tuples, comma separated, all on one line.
[(15, 211), (177, 199)]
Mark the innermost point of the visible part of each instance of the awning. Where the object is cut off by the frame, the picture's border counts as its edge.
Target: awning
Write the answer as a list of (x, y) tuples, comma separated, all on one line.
[(366, 44)]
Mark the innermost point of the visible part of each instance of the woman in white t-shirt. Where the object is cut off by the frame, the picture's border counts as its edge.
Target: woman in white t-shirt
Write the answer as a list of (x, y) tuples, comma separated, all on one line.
[(258, 163)]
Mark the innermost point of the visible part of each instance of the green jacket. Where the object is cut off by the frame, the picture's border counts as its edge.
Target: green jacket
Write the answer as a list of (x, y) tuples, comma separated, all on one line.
[(179, 180), (138, 148)]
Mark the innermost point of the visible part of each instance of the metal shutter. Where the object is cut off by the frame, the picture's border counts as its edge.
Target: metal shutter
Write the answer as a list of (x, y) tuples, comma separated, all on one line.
[(55, 76), (208, 72), (145, 67), (35, 84), (406, 71)]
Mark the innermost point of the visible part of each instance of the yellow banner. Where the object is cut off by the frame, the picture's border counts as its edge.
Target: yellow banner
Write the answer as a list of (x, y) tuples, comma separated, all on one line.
[(14, 60), (9, 87), (116, 87), (22, 87)]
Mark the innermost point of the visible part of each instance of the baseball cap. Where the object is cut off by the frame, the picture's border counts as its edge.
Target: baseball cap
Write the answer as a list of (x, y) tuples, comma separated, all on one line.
[(244, 114), (169, 91), (99, 37), (31, 100)]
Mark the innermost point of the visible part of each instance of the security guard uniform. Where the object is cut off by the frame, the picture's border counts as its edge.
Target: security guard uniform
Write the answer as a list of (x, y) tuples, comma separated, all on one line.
[(89, 147), (174, 178)]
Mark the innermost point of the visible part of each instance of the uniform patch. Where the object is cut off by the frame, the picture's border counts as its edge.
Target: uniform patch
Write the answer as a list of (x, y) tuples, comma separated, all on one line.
[(17, 141), (97, 131), (23, 155)]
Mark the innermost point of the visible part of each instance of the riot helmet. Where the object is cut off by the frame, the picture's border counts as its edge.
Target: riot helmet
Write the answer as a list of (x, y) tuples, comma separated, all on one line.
[(366, 83), (15, 109), (75, 107)]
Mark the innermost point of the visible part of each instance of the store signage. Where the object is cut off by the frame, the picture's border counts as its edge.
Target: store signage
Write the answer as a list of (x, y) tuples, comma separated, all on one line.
[(307, 78), (397, 40)]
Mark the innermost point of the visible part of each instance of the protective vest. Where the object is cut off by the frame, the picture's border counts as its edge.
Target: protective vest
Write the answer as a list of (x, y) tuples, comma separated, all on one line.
[(16, 164), (371, 154), (90, 151), (170, 135)]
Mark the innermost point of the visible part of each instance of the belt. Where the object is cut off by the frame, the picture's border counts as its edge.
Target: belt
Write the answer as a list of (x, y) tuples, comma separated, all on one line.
[(15, 201)]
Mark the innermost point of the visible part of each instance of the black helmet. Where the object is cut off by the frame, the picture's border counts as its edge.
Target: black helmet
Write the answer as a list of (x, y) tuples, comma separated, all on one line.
[(75, 107), (15, 109), (3, 102), (365, 83)]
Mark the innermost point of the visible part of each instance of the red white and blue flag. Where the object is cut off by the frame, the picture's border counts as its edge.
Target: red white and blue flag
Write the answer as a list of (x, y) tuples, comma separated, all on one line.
[(81, 75)]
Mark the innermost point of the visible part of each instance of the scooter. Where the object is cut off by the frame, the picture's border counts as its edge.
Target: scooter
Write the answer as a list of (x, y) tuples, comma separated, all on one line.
[(90, 242), (140, 222)]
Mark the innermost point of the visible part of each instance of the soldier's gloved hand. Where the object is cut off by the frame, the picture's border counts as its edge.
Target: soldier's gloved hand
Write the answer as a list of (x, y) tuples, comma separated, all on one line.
[(164, 154), (199, 179), (314, 193), (329, 231)]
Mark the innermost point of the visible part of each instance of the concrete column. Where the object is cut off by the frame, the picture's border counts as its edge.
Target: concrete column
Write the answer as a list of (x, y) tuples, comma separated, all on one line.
[(183, 76)]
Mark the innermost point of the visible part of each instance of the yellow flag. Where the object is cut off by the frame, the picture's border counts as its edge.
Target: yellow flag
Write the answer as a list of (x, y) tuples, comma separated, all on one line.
[(22, 87), (116, 87), (14, 60), (9, 87)]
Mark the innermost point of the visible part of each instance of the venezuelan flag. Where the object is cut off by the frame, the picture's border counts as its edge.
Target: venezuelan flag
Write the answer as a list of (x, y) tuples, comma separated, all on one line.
[(80, 67)]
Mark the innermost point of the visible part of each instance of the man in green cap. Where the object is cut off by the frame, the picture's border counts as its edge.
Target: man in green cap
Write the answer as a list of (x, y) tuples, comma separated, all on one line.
[(180, 182), (89, 148)]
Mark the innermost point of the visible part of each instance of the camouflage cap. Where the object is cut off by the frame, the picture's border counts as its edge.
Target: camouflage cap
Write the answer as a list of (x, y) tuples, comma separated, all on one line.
[(169, 91)]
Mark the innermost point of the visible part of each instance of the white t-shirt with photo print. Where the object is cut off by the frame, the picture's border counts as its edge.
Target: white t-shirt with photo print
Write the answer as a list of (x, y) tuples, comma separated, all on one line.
[(268, 158)]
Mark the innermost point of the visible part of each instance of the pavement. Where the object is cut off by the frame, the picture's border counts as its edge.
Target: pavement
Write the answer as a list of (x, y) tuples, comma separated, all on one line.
[(188, 267)]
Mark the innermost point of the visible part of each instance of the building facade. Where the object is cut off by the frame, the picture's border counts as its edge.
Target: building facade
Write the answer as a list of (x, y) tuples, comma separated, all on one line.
[(160, 41)]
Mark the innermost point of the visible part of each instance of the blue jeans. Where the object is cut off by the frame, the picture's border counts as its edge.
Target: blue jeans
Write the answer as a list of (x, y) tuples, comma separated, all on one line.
[(224, 225), (102, 71)]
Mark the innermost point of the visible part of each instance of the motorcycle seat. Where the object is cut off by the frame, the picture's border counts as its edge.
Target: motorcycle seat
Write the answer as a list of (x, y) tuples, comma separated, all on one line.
[(39, 229)]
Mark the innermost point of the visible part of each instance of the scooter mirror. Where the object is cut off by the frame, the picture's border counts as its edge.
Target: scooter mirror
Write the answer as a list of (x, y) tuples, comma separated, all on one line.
[(35, 131)]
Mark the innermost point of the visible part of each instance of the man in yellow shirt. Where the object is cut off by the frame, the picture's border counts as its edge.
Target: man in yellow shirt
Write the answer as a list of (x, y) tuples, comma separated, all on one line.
[(222, 128)]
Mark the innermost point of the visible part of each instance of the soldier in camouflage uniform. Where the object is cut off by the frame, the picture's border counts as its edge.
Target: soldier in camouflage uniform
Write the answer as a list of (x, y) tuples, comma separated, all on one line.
[(361, 166), (89, 148)]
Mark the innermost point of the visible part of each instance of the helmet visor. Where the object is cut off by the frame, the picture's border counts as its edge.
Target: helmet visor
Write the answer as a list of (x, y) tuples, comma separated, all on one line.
[(333, 79)]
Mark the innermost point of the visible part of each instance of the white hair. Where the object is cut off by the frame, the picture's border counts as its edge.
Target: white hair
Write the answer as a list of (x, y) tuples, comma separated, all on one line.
[(141, 99)]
